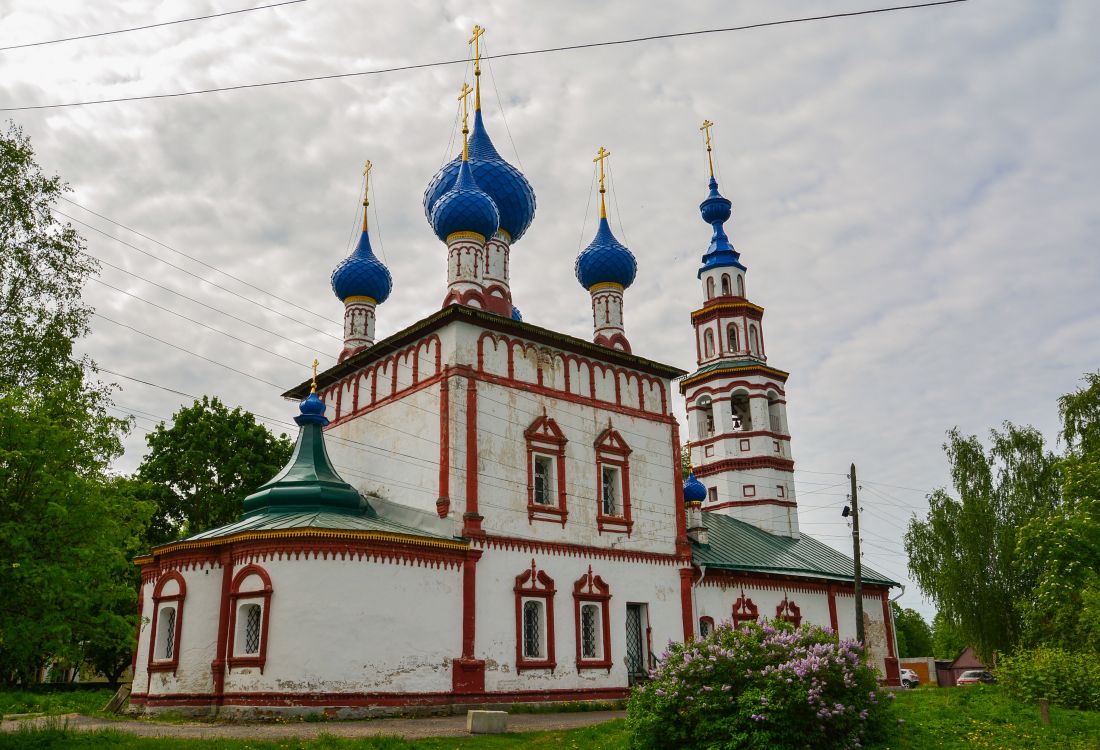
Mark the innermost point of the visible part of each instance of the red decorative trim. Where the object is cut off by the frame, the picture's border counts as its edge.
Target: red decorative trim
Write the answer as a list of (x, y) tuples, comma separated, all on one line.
[(687, 611), (172, 664), (612, 450), (740, 464), (589, 589), (468, 672), (693, 382), (395, 552), (751, 503), (734, 579), (350, 700), (546, 438), (235, 595), (788, 611), (735, 435), (584, 366), (443, 504), (614, 341), (744, 610), (577, 550), (527, 587), (717, 306)]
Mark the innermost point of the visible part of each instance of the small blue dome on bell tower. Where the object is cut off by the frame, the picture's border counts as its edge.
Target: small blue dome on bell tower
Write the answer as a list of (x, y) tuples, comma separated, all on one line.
[(716, 210)]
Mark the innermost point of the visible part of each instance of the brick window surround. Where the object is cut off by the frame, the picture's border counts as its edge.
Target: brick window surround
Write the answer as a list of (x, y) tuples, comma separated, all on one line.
[(545, 438), (591, 589), (612, 451), (535, 584), (175, 599), (251, 594)]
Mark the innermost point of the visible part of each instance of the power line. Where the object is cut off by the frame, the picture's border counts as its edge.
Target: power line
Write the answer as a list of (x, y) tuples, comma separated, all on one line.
[(195, 275), (521, 53), (192, 258), (149, 26)]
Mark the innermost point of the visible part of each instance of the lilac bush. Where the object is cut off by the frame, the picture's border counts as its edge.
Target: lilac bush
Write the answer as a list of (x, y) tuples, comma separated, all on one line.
[(760, 686)]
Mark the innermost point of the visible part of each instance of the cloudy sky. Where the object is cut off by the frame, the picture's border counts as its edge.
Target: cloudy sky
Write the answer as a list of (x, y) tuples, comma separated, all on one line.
[(914, 194)]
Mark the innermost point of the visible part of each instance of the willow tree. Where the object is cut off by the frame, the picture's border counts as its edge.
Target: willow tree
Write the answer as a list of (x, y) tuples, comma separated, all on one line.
[(963, 555)]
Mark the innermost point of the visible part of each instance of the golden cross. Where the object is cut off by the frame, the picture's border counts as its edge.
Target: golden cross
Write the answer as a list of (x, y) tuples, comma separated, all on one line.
[(465, 121), (313, 388), (366, 191), (602, 154), (475, 40), (707, 125)]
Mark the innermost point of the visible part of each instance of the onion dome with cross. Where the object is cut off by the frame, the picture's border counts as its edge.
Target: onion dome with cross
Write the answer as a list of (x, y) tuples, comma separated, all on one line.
[(716, 210)]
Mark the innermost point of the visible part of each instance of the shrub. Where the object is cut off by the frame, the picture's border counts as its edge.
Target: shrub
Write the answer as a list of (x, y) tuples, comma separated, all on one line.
[(1068, 678), (760, 686)]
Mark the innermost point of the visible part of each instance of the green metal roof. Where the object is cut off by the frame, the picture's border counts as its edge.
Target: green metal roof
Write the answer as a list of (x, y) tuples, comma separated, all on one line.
[(733, 365), (317, 519), (736, 545)]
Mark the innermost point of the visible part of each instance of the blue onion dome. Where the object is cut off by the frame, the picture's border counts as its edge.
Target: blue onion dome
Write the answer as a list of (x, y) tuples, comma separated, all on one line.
[(694, 491), (505, 184), (465, 208), (516, 314), (715, 210), (361, 274), (312, 411), (605, 260)]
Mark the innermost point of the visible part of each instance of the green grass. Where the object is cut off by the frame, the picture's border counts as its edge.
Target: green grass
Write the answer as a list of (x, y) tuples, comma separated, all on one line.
[(952, 719), (54, 703), (982, 716), (609, 736)]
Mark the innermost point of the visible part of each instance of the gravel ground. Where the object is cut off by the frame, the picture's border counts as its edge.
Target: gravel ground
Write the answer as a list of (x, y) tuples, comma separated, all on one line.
[(435, 726)]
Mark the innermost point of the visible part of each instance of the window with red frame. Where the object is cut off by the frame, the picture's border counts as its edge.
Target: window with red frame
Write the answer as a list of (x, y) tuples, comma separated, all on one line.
[(592, 616), (744, 610), (534, 591), (166, 627), (788, 611), (545, 471), (613, 482), (249, 616)]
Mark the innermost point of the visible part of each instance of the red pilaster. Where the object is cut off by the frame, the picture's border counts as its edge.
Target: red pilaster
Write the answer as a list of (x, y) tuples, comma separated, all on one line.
[(471, 518), (468, 672), (217, 668), (687, 610), (834, 623), (893, 669), (443, 504)]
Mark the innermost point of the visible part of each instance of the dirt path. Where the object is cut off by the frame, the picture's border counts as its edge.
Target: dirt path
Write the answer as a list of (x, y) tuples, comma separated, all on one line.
[(435, 726)]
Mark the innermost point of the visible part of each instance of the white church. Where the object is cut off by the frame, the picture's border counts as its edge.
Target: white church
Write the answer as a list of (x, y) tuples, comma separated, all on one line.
[(541, 544)]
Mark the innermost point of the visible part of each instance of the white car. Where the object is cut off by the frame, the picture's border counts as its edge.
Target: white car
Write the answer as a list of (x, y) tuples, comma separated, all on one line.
[(909, 678)]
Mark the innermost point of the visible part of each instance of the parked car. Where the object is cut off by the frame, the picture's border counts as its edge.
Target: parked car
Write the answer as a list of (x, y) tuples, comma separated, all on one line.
[(974, 676), (909, 678)]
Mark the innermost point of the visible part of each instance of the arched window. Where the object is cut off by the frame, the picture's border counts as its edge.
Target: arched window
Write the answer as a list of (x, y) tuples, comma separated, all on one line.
[(706, 626), (167, 624), (591, 601), (705, 412), (731, 337), (740, 285), (545, 471), (534, 592), (249, 616), (710, 287), (708, 343), (775, 413), (613, 482), (754, 341), (741, 411), (726, 291)]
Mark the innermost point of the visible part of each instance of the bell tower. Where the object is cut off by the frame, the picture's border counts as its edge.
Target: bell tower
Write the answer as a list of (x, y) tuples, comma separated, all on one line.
[(736, 404)]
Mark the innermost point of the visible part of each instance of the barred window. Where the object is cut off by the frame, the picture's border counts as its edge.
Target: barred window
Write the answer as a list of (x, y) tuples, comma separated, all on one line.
[(544, 483), (610, 491), (168, 632), (252, 629), (590, 631), (532, 630)]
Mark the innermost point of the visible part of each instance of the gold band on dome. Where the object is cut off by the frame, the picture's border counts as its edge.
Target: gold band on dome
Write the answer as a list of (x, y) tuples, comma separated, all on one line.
[(505, 235), (606, 286), (464, 235), (360, 298)]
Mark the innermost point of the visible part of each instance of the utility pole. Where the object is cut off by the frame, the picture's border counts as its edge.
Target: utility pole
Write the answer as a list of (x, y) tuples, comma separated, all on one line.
[(856, 558)]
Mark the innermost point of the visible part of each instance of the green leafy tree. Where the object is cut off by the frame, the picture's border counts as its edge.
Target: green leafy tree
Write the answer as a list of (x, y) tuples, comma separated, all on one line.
[(947, 639), (964, 554), (913, 632), (202, 467), (1062, 550), (66, 583)]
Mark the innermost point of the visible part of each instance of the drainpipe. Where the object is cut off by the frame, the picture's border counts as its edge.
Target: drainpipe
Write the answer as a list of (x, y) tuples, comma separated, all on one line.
[(695, 599)]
